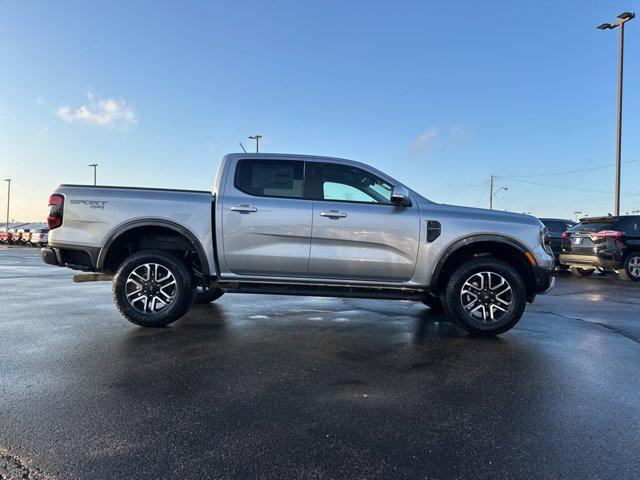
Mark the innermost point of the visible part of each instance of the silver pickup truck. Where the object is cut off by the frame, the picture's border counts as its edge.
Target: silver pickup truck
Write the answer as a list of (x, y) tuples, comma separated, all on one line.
[(299, 225)]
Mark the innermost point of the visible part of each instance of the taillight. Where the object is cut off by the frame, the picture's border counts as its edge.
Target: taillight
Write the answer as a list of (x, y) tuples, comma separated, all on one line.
[(56, 207), (56, 199), (607, 234), (565, 235)]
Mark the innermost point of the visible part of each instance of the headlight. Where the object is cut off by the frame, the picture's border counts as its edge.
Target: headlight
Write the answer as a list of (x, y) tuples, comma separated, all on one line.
[(545, 240)]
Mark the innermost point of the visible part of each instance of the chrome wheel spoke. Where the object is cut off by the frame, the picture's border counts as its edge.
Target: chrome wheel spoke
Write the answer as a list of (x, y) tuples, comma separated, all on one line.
[(150, 288), (486, 296), (634, 266), (165, 294), (168, 276), (137, 271)]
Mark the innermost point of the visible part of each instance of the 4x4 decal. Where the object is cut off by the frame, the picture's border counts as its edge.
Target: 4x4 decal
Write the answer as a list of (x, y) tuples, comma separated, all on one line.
[(93, 204)]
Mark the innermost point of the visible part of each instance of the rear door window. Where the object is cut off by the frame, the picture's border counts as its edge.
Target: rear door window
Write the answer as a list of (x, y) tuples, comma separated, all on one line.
[(270, 178)]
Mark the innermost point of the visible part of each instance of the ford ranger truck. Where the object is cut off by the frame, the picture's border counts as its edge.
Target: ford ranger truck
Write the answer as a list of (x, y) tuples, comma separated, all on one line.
[(299, 225)]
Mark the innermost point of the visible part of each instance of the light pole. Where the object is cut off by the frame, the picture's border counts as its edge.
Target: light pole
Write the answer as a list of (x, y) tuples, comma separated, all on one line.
[(492, 193), (623, 18), (576, 213), (8, 180), (94, 165), (257, 139)]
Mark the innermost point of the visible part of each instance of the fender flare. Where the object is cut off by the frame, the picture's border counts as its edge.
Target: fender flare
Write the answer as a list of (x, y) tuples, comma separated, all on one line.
[(125, 227), (470, 240)]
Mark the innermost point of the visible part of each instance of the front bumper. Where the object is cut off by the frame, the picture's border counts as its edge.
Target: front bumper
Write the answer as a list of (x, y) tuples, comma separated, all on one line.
[(543, 279)]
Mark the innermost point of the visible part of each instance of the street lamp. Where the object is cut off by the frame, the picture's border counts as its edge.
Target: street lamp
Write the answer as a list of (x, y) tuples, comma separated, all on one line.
[(494, 194), (623, 18), (257, 139), (8, 180), (94, 165), (576, 213)]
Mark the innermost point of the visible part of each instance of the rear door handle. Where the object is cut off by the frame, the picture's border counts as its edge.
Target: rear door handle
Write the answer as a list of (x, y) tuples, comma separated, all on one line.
[(333, 214), (243, 209)]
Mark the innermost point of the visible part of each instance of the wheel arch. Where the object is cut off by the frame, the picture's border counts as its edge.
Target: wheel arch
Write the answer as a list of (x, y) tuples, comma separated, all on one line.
[(120, 232), (505, 248)]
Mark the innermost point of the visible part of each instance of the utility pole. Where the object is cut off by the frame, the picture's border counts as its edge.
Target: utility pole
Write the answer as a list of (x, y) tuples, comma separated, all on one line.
[(8, 180), (623, 18), (94, 165), (257, 139)]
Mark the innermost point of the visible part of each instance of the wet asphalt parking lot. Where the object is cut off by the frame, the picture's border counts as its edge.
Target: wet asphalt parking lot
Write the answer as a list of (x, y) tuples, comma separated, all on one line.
[(318, 388)]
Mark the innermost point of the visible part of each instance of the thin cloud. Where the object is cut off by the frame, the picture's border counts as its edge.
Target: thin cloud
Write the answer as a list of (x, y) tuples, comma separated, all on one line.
[(105, 113), (425, 140), (459, 135)]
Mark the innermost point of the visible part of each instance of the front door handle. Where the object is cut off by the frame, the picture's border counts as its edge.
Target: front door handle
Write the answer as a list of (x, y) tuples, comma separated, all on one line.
[(243, 209), (333, 214)]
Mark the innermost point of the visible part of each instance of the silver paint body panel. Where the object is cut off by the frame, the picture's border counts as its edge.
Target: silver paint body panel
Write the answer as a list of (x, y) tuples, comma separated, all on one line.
[(272, 240), (93, 214), (288, 239)]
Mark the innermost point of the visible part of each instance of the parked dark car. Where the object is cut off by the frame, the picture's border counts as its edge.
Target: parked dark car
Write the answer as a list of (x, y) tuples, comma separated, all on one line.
[(556, 227), (606, 243)]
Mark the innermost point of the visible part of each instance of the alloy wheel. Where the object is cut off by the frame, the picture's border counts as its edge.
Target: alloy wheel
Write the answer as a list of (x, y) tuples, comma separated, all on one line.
[(634, 266), (150, 288), (486, 296)]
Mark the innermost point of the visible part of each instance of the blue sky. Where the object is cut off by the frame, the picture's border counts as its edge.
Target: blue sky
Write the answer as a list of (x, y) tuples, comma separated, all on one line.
[(438, 94)]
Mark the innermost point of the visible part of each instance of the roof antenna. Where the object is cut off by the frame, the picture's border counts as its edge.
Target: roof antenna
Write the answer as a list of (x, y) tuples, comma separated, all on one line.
[(243, 149)]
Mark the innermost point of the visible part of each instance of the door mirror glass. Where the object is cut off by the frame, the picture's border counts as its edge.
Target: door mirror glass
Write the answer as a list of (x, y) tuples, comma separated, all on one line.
[(400, 196)]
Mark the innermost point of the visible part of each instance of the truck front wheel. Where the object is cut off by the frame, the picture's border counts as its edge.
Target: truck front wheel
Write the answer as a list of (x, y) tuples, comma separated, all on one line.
[(485, 296), (153, 288)]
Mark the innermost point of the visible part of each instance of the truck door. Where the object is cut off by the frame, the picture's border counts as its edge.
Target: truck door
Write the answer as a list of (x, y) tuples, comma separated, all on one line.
[(357, 232), (266, 220)]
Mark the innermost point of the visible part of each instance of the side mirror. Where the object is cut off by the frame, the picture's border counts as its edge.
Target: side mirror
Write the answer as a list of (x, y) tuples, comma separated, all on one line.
[(400, 196)]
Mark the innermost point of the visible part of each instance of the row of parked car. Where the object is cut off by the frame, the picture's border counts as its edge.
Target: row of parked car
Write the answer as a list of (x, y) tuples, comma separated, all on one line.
[(605, 244), (35, 237)]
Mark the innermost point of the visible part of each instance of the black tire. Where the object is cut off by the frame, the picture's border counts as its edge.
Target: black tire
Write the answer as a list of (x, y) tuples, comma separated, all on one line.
[(582, 272), (629, 272), (207, 295), (452, 298), (182, 295), (433, 302)]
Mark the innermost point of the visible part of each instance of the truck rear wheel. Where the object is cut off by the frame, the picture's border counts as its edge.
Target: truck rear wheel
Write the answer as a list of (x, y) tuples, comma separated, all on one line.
[(485, 296), (153, 288)]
